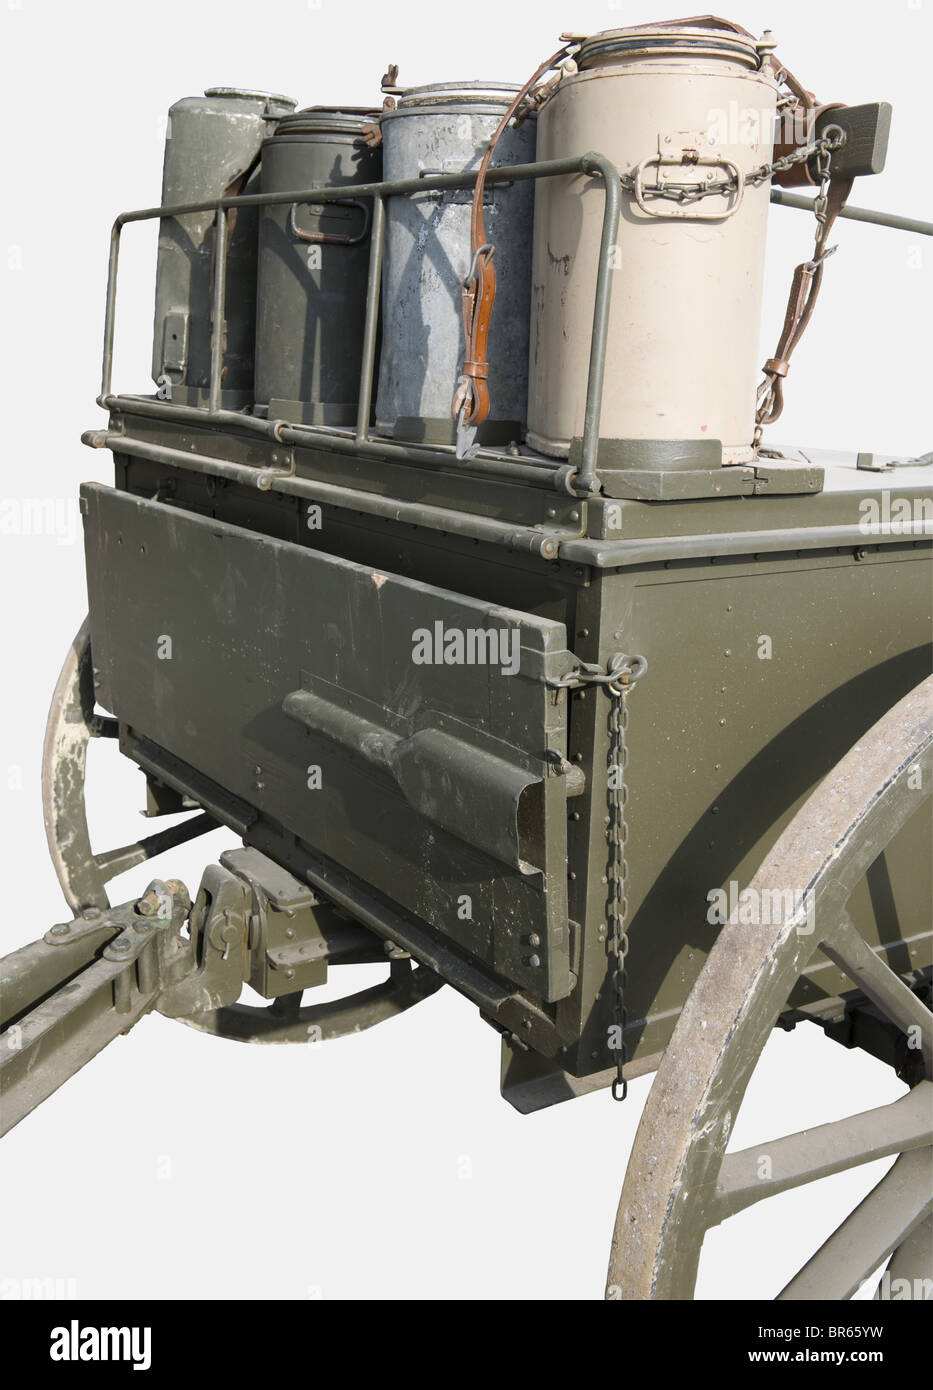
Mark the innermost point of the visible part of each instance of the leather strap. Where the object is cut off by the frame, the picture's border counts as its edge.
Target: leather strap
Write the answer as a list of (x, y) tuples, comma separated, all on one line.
[(804, 291), (478, 294)]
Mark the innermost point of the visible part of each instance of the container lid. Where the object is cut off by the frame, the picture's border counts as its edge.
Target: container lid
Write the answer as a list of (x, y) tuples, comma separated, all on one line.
[(706, 37), (250, 94), (322, 120), (458, 94)]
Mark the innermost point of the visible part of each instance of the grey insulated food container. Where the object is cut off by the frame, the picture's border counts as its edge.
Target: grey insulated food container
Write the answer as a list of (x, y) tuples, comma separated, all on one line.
[(313, 267), (445, 129), (212, 146)]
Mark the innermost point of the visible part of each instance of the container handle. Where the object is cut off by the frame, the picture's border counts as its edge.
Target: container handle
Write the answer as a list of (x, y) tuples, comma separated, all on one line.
[(333, 238), (639, 190)]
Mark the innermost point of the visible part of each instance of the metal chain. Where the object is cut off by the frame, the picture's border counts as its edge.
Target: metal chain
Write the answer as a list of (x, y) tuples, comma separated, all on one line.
[(823, 161), (617, 678), (693, 192), (617, 876)]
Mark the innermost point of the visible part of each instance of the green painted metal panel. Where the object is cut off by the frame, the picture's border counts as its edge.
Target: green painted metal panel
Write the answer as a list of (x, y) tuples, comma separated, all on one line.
[(294, 679)]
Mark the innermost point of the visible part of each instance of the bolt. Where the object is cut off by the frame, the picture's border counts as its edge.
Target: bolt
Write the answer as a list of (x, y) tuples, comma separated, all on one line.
[(119, 946), (61, 929), (534, 939), (534, 962), (148, 904)]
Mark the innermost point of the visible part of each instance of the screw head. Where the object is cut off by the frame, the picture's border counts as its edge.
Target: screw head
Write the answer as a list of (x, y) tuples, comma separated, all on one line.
[(61, 929)]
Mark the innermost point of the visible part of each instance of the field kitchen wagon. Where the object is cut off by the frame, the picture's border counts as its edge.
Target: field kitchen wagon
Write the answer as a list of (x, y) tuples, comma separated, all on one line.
[(450, 566)]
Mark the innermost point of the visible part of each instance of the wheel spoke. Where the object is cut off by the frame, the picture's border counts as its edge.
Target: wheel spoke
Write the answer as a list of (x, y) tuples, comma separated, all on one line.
[(881, 1223), (846, 948), (911, 1262), (817, 1153), (102, 726), (117, 861)]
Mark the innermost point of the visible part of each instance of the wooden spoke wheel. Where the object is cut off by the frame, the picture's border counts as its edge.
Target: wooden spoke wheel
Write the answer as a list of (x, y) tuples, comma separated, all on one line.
[(72, 723), (681, 1181), (84, 874)]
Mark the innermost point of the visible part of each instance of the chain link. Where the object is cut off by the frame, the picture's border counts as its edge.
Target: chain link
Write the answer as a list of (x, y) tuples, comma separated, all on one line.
[(617, 678), (617, 877), (693, 192)]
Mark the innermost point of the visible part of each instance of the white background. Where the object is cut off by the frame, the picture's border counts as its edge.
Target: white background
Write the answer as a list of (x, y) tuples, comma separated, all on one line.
[(385, 1165)]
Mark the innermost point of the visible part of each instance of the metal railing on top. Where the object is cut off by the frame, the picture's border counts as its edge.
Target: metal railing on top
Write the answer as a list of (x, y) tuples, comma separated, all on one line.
[(582, 480)]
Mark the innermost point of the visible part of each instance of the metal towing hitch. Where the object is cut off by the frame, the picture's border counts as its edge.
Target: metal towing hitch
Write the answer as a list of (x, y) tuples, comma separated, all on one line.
[(64, 997)]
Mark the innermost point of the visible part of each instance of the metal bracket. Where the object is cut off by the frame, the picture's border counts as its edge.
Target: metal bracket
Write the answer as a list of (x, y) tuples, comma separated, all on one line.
[(267, 476)]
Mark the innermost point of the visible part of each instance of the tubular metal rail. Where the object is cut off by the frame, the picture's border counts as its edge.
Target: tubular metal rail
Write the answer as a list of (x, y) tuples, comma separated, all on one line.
[(530, 470), (583, 481), (782, 198)]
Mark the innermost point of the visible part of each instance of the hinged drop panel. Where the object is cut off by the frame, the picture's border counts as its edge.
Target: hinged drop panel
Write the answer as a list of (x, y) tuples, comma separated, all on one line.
[(403, 731)]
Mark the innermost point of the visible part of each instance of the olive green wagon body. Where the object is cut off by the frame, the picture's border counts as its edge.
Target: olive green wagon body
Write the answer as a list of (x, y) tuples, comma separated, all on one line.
[(312, 695)]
